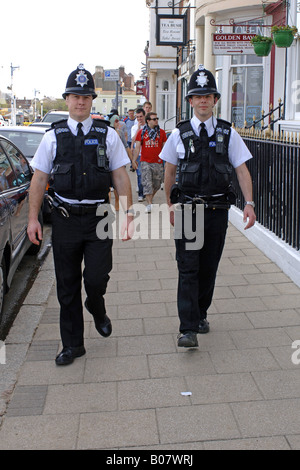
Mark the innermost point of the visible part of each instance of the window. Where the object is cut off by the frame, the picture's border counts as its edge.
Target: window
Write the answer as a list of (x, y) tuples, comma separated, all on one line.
[(19, 163), (6, 173), (166, 106), (246, 83)]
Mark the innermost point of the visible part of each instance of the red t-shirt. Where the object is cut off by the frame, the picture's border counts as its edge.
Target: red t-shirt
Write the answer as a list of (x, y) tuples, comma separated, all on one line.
[(150, 149)]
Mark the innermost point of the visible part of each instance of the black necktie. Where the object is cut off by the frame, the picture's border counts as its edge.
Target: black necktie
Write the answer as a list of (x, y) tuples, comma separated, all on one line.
[(80, 131), (203, 134)]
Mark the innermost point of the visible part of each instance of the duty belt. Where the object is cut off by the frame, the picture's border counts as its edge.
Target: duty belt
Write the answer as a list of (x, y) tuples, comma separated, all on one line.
[(210, 202), (66, 209)]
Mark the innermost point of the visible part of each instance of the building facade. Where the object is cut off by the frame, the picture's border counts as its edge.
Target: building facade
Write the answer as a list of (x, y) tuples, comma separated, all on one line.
[(162, 64), (250, 85), (111, 91)]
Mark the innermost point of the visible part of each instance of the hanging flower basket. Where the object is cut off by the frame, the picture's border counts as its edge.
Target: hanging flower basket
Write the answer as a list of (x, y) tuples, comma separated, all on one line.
[(284, 35), (262, 45)]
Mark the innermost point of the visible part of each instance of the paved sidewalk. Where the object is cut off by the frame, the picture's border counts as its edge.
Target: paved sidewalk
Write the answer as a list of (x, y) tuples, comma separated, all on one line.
[(127, 392)]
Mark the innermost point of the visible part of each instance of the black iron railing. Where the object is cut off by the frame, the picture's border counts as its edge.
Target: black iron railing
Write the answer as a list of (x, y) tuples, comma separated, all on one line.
[(275, 170), (274, 115)]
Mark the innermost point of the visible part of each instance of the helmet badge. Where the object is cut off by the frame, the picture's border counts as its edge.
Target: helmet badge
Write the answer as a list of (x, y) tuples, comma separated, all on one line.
[(81, 78), (202, 79)]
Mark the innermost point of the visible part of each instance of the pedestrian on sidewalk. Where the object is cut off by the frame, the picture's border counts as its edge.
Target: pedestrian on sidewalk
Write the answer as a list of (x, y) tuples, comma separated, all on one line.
[(82, 156), (115, 123), (150, 141), (129, 123), (140, 117), (204, 150)]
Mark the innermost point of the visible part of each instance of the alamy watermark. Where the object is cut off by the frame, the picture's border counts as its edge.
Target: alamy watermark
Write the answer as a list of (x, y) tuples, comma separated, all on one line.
[(296, 355), (2, 353), (188, 223)]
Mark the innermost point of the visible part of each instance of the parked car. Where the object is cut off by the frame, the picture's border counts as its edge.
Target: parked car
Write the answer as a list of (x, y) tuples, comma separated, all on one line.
[(15, 177), (51, 116), (54, 115), (27, 139)]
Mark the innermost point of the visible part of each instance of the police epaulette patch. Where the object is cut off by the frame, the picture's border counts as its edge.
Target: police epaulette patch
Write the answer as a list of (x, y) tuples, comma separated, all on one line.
[(60, 130), (187, 134), (180, 123), (100, 129)]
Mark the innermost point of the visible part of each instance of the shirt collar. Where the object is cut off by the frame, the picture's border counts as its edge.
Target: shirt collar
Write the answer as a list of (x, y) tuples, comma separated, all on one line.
[(86, 125), (210, 125)]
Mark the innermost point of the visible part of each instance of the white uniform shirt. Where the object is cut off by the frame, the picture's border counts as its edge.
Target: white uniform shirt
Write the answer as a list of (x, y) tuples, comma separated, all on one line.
[(238, 152), (46, 152)]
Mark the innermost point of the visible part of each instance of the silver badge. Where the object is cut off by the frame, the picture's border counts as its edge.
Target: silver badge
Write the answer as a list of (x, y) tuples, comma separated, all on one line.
[(202, 79), (81, 77)]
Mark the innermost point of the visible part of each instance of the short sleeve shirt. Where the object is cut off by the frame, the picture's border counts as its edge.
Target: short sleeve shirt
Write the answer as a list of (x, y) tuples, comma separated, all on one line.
[(46, 152), (150, 149), (238, 152)]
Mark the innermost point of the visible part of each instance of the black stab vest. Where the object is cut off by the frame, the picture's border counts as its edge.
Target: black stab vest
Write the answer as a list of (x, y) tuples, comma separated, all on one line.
[(205, 169), (75, 173)]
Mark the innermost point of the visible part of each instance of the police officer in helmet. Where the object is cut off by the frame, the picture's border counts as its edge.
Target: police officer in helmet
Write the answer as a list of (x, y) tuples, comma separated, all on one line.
[(204, 150), (82, 156)]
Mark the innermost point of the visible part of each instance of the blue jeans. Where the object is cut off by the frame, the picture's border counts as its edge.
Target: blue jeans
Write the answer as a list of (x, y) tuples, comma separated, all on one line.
[(139, 177)]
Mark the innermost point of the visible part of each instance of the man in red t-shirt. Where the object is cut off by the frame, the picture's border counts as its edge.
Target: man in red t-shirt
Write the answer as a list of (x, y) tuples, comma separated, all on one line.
[(150, 140)]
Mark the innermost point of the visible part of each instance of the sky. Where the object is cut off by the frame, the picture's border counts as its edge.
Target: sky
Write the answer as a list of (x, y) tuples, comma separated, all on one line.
[(47, 41)]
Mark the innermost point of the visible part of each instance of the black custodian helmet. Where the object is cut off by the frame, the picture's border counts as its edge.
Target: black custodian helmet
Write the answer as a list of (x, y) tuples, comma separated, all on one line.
[(80, 82), (202, 82)]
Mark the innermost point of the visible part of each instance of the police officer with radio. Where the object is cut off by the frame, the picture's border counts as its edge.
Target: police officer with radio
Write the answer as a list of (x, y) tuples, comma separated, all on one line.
[(200, 156), (80, 156)]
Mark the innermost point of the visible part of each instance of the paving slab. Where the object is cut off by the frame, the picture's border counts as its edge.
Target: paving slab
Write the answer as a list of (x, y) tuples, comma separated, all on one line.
[(136, 390)]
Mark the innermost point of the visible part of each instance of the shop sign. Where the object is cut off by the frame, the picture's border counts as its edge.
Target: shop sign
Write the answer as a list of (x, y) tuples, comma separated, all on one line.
[(232, 44)]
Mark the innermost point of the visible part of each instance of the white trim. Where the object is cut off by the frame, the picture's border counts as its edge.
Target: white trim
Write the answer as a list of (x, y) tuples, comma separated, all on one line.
[(286, 257), (289, 126)]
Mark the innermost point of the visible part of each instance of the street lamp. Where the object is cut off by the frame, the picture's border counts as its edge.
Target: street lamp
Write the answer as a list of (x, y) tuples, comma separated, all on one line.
[(13, 98), (35, 93)]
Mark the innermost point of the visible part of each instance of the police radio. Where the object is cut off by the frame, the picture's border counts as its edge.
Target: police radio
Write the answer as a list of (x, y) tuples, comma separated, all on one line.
[(102, 160), (219, 142)]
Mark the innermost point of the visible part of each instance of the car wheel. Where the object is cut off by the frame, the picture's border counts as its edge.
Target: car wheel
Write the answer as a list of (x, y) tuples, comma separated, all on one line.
[(2, 285)]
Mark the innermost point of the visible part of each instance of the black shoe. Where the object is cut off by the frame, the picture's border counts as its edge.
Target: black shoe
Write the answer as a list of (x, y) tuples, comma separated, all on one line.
[(187, 340), (203, 326), (68, 354), (103, 326)]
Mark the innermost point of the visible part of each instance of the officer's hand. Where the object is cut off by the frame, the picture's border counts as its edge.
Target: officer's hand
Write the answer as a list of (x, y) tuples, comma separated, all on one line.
[(172, 217), (127, 229), (250, 215), (134, 165), (34, 232)]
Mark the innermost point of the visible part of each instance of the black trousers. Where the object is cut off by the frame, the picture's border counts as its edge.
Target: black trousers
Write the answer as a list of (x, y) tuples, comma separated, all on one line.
[(79, 254), (198, 269)]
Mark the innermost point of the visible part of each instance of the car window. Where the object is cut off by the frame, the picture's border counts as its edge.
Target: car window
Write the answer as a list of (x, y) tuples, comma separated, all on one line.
[(54, 117), (7, 176), (27, 142), (19, 163)]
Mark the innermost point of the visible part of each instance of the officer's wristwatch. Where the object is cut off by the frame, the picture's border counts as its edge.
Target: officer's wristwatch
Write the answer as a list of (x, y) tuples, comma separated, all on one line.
[(130, 211), (250, 203)]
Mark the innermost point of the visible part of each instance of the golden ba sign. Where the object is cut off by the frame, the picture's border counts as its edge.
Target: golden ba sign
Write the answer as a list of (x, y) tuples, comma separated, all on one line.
[(232, 44)]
